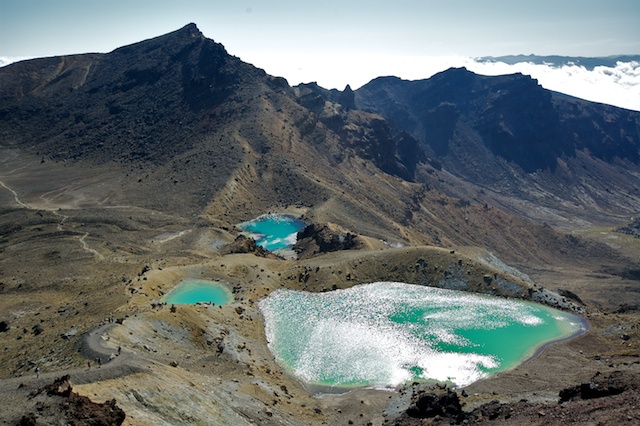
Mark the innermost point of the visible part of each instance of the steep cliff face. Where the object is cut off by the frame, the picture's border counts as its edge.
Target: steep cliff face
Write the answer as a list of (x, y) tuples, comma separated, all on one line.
[(365, 134), (508, 135), (607, 132), (121, 105), (514, 117)]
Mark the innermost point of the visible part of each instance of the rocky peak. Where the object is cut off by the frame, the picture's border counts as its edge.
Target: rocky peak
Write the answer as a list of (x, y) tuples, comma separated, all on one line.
[(347, 98), (186, 34), (116, 103), (510, 115)]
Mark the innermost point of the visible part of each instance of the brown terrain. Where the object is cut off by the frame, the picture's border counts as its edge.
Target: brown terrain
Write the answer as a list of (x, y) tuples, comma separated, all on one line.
[(123, 173)]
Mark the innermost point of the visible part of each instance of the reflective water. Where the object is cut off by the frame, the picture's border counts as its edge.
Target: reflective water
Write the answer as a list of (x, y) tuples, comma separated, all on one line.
[(274, 232), (385, 334), (193, 291)]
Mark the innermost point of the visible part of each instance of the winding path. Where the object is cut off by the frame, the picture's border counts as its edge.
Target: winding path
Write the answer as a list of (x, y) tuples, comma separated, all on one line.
[(92, 347), (63, 218), (15, 196)]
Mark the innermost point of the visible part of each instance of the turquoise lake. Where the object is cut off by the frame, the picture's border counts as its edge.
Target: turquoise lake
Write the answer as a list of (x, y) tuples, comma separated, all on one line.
[(193, 291), (384, 334), (274, 232)]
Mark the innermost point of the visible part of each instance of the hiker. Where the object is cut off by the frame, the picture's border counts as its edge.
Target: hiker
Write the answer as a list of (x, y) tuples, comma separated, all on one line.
[(119, 349), (37, 372), (89, 364)]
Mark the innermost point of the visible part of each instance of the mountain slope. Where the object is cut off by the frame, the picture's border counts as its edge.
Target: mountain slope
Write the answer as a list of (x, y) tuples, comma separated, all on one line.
[(509, 136), (183, 119), (180, 126), (122, 174)]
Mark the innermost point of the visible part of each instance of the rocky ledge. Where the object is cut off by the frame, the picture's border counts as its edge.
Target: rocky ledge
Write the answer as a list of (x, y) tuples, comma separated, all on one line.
[(56, 403), (323, 238), (610, 398)]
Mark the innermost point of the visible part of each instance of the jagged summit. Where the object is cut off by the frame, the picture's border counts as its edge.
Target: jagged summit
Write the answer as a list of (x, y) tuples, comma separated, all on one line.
[(171, 96), (118, 101), (122, 174), (187, 34)]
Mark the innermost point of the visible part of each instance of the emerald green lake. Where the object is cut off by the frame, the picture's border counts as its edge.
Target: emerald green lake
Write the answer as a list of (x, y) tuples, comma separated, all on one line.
[(384, 334), (194, 291), (274, 232)]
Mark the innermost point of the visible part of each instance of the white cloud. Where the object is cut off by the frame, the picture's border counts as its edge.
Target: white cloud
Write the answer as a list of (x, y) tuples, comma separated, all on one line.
[(619, 85)]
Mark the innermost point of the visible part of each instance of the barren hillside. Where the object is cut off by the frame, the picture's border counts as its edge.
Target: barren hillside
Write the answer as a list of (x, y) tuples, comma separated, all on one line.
[(123, 173)]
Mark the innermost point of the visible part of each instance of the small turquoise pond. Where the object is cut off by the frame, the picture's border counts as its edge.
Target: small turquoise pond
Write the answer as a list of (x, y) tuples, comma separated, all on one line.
[(385, 334), (195, 291), (273, 231)]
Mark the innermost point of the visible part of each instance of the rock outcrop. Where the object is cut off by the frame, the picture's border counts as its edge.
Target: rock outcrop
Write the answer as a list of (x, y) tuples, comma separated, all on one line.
[(601, 386), (364, 134), (432, 404), (322, 238), (56, 403), (244, 244)]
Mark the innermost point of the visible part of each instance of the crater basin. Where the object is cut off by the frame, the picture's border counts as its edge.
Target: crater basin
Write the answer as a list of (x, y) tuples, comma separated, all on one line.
[(385, 334), (193, 291), (274, 232)]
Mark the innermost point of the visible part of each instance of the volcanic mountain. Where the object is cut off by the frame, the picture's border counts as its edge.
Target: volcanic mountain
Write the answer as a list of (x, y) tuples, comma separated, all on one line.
[(121, 173), (518, 141)]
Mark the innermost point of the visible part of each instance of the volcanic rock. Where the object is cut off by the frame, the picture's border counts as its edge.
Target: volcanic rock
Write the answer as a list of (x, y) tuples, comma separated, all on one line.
[(429, 404), (244, 244), (321, 238), (600, 386), (56, 403)]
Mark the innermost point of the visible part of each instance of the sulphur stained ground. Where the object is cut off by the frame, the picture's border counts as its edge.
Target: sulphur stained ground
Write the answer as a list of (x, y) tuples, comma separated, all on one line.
[(384, 334)]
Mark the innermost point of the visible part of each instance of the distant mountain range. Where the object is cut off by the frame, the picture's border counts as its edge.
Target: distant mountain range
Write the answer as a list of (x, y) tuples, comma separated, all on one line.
[(198, 130)]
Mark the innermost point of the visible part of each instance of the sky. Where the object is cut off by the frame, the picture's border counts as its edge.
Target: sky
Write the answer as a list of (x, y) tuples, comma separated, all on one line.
[(351, 42)]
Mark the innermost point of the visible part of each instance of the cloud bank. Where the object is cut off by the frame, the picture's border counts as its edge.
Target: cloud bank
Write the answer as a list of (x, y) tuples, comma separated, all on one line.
[(618, 85)]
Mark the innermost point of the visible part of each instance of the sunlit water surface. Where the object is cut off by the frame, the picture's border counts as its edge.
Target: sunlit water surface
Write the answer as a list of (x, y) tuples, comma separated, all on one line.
[(274, 232), (193, 291), (384, 334)]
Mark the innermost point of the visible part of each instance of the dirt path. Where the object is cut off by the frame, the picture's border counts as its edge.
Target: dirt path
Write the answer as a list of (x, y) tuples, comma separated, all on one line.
[(93, 347), (15, 196)]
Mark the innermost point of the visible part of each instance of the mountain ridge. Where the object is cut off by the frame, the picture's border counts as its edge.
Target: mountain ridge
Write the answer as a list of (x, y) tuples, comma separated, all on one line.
[(470, 124), (123, 173), (185, 101)]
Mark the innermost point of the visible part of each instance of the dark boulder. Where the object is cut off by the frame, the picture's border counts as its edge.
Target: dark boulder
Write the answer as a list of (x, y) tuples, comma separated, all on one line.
[(600, 386), (429, 405), (37, 329), (56, 403), (569, 295)]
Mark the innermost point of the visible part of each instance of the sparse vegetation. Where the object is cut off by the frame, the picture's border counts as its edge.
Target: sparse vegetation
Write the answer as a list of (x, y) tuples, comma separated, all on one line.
[(152, 154)]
